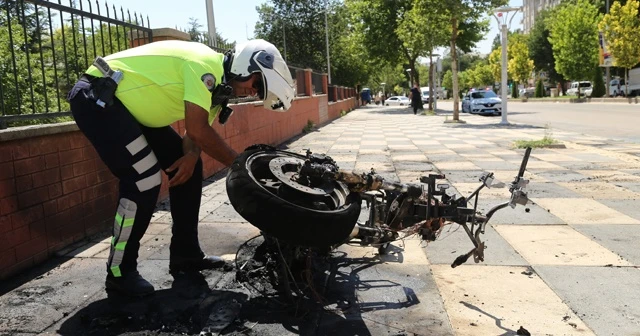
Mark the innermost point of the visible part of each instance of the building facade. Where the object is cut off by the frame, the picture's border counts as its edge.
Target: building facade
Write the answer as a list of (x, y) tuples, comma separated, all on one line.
[(530, 10)]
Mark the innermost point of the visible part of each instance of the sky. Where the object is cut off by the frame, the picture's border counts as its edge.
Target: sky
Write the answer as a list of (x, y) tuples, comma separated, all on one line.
[(235, 19)]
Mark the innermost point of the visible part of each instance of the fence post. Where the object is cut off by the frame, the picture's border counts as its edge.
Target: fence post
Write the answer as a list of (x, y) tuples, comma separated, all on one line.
[(335, 93), (308, 83), (158, 34), (325, 84)]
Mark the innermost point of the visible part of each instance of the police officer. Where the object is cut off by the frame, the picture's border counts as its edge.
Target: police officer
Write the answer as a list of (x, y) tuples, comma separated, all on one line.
[(126, 111)]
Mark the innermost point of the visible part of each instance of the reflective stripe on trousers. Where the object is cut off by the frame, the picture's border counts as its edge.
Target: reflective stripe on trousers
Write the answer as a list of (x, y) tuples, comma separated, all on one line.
[(122, 226)]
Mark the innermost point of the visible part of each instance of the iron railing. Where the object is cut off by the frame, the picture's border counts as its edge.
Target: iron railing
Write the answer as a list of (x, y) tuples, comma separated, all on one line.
[(332, 96), (49, 45), (316, 81)]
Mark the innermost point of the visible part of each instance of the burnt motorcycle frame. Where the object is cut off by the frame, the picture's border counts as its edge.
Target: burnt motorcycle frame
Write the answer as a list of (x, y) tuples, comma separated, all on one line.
[(396, 208)]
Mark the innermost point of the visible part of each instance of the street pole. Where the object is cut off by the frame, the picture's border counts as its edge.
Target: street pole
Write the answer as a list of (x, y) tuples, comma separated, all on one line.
[(503, 85), (607, 68), (284, 40), (211, 24), (326, 32), (503, 13)]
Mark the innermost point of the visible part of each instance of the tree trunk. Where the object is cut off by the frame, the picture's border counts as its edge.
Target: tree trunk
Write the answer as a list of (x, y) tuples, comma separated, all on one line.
[(626, 82), (454, 68), (430, 81)]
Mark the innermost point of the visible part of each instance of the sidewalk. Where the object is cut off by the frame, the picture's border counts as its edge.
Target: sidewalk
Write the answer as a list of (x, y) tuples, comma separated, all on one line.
[(566, 266)]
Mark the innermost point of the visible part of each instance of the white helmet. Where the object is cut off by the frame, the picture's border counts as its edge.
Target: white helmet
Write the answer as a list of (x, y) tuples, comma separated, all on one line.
[(261, 56)]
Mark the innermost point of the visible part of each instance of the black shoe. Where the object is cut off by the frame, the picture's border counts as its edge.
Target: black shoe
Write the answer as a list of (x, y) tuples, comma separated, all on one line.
[(178, 264), (130, 284)]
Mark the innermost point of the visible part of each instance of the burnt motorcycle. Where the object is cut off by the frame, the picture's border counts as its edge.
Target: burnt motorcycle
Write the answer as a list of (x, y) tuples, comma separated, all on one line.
[(307, 201)]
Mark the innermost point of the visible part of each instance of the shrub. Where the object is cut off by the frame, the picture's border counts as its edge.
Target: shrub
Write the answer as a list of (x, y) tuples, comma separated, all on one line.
[(599, 90), (539, 89)]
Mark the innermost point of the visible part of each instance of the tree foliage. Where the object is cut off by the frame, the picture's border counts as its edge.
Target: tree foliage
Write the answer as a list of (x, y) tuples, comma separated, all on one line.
[(621, 28), (301, 24), (520, 66), (540, 49), (495, 64), (573, 35), (459, 13), (480, 76), (49, 56)]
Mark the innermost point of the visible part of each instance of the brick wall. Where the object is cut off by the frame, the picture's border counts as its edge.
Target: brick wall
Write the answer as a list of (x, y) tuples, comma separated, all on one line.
[(55, 190)]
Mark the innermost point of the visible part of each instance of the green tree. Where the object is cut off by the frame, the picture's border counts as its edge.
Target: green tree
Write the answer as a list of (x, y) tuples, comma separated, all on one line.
[(599, 89), (573, 33), (447, 81), (495, 63), (514, 90), (520, 66), (461, 12), (301, 24), (621, 28), (539, 93), (480, 76), (540, 49), (422, 29)]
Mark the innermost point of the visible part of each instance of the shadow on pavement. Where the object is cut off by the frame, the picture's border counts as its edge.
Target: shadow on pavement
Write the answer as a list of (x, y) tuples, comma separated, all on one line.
[(185, 308), (344, 312), (496, 126)]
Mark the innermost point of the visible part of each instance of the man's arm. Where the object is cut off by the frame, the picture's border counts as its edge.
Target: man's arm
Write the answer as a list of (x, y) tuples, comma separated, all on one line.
[(204, 136)]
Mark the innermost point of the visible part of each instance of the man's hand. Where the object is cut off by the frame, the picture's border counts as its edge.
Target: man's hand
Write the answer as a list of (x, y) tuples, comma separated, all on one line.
[(184, 166), (204, 136)]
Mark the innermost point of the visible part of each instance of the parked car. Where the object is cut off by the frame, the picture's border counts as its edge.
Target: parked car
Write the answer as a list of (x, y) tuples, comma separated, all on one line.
[(528, 92), (618, 87), (483, 102), (397, 101), (425, 94), (583, 86)]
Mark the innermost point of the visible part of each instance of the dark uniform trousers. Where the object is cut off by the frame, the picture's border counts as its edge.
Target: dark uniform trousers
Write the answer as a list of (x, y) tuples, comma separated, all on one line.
[(135, 154)]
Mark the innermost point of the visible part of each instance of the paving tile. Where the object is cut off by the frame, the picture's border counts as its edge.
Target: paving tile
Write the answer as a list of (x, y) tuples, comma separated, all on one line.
[(557, 245), (609, 176), (600, 190), (452, 165), (583, 211), (493, 193), (496, 165), (453, 241), (605, 298), (410, 157), (365, 166), (530, 214), (376, 288), (537, 189), (497, 300), (620, 239), (539, 165), (561, 175)]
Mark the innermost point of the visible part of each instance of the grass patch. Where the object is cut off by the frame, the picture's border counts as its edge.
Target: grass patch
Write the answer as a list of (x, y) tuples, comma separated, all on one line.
[(343, 113), (428, 112), (308, 127), (544, 142)]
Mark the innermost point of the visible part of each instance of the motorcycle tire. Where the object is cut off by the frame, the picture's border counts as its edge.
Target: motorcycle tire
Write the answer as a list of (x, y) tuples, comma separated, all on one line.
[(285, 220)]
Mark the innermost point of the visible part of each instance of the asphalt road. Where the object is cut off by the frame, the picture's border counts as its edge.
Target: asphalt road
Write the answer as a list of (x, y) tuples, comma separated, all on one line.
[(611, 120)]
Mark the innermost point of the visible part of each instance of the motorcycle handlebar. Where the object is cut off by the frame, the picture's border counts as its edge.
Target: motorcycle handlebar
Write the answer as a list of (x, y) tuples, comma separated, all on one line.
[(525, 160)]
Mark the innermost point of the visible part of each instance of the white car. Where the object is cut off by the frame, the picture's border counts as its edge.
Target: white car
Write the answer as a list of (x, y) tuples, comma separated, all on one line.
[(583, 86), (483, 102), (397, 101)]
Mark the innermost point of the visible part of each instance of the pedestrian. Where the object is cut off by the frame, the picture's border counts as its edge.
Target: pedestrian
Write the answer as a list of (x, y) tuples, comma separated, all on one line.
[(416, 99), (126, 112)]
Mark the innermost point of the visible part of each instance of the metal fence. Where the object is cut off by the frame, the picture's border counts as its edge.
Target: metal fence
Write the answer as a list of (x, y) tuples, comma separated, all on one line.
[(46, 46), (332, 96), (316, 81)]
